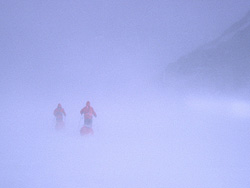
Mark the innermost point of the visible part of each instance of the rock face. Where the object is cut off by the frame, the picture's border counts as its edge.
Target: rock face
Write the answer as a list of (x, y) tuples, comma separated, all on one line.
[(222, 65)]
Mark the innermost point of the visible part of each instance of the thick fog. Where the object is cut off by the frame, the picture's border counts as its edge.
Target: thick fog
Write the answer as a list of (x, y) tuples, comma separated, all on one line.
[(113, 54)]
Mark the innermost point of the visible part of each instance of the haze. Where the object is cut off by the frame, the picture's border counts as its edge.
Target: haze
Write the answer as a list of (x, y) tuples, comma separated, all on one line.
[(113, 53)]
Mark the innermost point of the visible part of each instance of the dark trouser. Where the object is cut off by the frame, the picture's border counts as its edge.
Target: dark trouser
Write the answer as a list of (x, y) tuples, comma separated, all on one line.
[(59, 119), (88, 122)]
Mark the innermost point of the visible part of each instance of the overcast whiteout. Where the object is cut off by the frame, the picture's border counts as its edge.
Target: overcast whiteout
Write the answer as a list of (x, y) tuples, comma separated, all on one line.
[(113, 54)]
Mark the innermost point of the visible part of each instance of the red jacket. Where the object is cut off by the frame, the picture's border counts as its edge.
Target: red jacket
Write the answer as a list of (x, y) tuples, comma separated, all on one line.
[(88, 111), (59, 112)]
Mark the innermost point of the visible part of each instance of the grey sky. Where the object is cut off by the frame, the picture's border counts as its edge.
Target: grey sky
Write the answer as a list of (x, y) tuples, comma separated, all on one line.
[(50, 45)]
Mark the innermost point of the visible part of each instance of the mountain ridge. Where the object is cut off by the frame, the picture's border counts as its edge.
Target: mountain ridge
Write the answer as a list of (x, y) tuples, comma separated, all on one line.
[(221, 65)]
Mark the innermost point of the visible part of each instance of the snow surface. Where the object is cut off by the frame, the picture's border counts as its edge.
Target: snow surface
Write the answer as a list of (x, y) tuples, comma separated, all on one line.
[(160, 141)]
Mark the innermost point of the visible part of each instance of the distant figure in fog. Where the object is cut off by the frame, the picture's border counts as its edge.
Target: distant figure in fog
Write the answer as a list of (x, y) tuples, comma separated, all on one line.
[(88, 112), (59, 113)]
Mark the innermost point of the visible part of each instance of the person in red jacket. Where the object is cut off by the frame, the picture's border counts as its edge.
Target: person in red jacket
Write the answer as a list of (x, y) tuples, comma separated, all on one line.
[(88, 112), (59, 113)]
